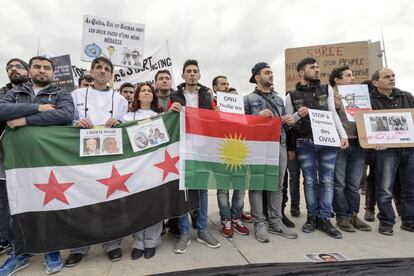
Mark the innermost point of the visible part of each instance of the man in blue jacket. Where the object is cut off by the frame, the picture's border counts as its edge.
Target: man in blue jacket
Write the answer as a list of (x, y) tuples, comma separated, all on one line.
[(39, 103)]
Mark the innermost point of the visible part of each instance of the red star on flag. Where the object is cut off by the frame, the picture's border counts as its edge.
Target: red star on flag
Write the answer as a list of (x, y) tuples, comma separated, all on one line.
[(115, 182), (54, 190), (168, 165)]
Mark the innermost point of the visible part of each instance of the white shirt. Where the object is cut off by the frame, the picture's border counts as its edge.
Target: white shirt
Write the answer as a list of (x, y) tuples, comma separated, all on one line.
[(140, 114), (36, 90), (191, 99), (97, 105)]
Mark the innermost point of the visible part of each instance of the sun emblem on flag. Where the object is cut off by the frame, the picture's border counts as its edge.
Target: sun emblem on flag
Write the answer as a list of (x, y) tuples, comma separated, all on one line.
[(234, 151)]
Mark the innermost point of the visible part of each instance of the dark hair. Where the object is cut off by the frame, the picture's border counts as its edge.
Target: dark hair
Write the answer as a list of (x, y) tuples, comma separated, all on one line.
[(104, 60), (88, 78), (189, 62), (376, 74), (337, 73), (125, 84), (41, 58), (304, 62), (162, 72), (154, 104), (215, 80)]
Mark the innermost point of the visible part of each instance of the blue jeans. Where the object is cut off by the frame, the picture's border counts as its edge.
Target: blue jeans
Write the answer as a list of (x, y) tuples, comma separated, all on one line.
[(318, 167), (235, 211), (294, 180), (387, 164), (184, 222), (5, 220), (349, 169)]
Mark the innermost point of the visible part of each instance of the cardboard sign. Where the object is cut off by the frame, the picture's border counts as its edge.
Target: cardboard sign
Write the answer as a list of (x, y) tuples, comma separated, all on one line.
[(393, 128), (230, 103), (121, 42), (323, 128)]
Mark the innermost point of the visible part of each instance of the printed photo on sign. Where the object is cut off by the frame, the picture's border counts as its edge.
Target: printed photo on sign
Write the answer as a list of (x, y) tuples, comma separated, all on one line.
[(354, 97), (98, 142), (326, 257), (386, 128), (147, 134)]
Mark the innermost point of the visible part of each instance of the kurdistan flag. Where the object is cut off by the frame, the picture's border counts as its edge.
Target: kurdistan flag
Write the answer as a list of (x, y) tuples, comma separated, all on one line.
[(228, 151), (59, 200)]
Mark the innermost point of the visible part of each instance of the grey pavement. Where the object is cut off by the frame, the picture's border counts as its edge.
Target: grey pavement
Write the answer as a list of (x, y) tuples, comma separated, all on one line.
[(239, 250)]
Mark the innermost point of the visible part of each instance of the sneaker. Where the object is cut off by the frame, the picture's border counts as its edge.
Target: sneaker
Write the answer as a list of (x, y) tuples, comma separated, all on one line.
[(4, 247), (280, 228), (208, 239), (53, 262), (326, 226), (359, 224), (369, 215), (260, 232), (182, 244), (344, 224), (408, 226), (288, 222), (294, 210), (14, 264), (385, 229), (239, 227), (246, 217), (226, 229), (73, 259), (310, 224)]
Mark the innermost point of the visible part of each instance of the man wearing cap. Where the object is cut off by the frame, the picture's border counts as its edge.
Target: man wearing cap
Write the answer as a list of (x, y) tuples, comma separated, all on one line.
[(265, 102), (18, 72)]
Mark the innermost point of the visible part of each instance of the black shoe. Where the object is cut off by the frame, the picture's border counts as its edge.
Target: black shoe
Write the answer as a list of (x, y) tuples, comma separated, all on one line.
[(136, 254), (115, 255), (294, 210), (385, 229), (73, 259), (288, 222), (369, 215), (4, 247), (173, 228), (326, 226), (194, 218), (408, 226), (310, 224), (149, 252)]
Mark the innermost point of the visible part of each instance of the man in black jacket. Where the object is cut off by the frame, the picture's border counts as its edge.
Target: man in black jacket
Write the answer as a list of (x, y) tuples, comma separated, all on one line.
[(390, 161)]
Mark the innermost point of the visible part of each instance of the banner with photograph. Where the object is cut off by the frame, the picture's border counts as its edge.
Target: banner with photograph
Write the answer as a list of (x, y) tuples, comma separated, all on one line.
[(120, 41), (97, 142), (147, 134), (354, 97)]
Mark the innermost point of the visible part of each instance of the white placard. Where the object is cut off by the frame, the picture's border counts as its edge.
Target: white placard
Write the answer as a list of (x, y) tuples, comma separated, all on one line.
[(230, 103), (323, 128), (389, 128), (147, 134), (355, 97), (120, 41), (98, 142)]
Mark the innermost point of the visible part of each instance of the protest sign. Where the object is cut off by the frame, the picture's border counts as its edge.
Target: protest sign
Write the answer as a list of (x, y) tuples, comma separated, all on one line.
[(148, 134), (331, 257), (393, 128), (354, 97), (363, 57), (230, 103), (121, 42), (96, 142), (323, 128), (63, 74)]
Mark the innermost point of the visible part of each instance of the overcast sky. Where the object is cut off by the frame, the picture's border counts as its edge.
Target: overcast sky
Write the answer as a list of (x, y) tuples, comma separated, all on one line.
[(226, 37)]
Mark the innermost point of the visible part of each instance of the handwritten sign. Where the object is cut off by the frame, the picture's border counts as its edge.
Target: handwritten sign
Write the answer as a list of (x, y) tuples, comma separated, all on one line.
[(323, 128), (230, 103)]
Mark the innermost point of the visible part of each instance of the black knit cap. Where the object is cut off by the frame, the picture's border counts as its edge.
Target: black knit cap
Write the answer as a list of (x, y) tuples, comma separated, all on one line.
[(22, 62)]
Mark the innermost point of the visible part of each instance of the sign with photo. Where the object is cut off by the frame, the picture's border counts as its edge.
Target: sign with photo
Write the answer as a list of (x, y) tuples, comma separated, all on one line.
[(393, 128), (98, 142), (355, 97), (147, 134), (121, 42), (323, 128), (326, 257)]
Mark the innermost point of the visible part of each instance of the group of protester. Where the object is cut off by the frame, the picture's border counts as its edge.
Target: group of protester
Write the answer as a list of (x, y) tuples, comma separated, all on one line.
[(331, 176)]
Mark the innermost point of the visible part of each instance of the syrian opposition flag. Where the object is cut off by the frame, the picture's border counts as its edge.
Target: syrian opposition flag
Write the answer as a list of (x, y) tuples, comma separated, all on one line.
[(59, 200), (228, 151)]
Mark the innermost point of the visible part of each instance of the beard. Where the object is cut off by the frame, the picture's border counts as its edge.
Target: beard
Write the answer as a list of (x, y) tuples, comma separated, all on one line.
[(41, 82), (310, 78), (18, 79)]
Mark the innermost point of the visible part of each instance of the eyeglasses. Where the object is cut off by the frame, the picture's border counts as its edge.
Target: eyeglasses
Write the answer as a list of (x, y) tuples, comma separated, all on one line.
[(17, 66)]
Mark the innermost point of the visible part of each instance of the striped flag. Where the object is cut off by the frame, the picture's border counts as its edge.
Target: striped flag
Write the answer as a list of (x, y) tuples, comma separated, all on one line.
[(59, 200), (228, 151)]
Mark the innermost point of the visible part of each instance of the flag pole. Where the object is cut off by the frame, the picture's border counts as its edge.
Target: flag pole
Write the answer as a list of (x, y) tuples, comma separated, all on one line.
[(383, 49)]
